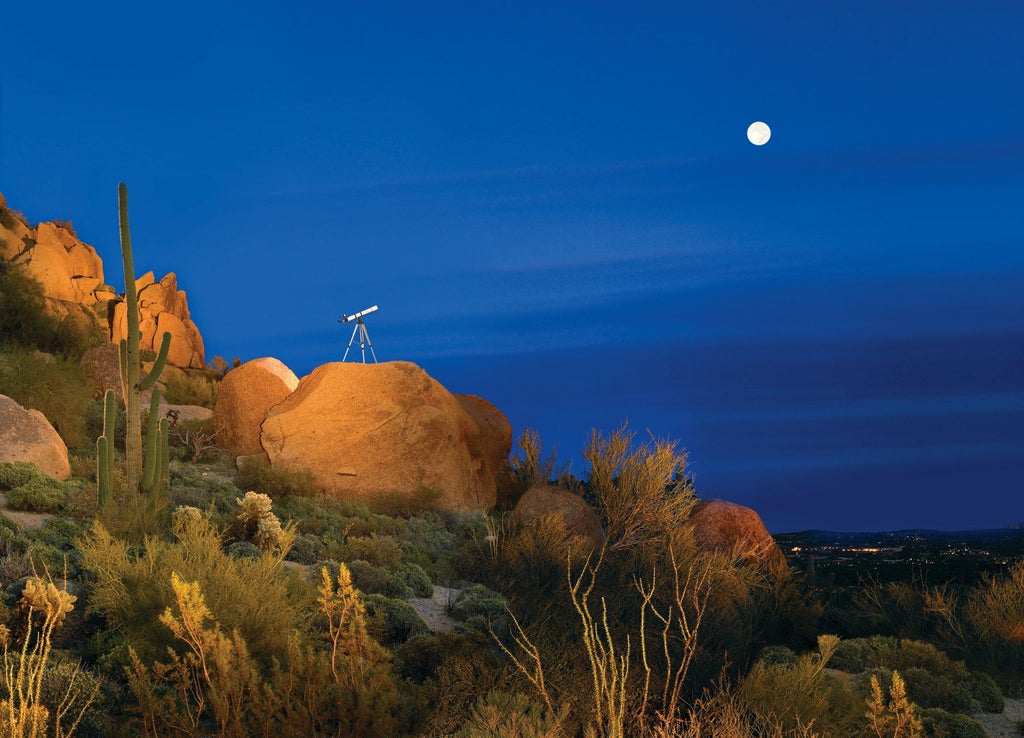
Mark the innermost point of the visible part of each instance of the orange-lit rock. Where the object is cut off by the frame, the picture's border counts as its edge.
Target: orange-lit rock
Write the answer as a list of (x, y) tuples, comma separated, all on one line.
[(245, 395), (26, 435), (725, 526), (162, 308), (371, 429)]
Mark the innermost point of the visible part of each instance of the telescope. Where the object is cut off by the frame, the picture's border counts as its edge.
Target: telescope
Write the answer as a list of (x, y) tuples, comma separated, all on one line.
[(359, 330), (357, 317)]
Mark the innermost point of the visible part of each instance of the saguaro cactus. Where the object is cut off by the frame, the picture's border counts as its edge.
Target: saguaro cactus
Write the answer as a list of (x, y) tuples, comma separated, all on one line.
[(133, 384)]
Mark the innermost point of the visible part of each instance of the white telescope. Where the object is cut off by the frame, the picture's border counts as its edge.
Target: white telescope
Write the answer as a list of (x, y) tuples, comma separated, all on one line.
[(346, 318), (359, 330)]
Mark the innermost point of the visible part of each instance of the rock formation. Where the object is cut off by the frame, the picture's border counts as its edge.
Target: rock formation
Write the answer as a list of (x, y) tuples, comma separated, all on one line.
[(579, 518), (26, 435), (71, 274), (245, 395), (725, 526), (162, 308), (371, 429)]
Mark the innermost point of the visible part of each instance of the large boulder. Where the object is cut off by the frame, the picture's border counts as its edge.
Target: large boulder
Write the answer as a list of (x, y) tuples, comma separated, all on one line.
[(725, 526), (26, 435), (578, 518), (245, 395), (163, 308), (378, 429)]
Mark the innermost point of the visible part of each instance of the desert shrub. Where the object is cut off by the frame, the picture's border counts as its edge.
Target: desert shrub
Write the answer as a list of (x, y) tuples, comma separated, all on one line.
[(132, 586), (984, 689), (196, 439), (259, 476), (801, 692), (777, 656), (41, 494), (503, 715), (642, 491), (414, 579), (952, 725), (383, 551), (342, 686), (482, 609), (243, 550), (529, 464), (857, 654), (392, 621), (368, 578), (58, 531), (58, 388), (994, 611), (193, 388), (16, 473), (306, 549), (450, 671), (932, 690)]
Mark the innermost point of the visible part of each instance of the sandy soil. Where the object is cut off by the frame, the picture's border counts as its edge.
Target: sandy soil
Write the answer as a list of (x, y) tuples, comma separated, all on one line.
[(432, 609), (24, 520), (1006, 725)]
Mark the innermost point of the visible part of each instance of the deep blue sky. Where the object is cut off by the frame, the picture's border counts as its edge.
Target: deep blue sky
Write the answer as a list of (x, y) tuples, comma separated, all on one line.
[(556, 208)]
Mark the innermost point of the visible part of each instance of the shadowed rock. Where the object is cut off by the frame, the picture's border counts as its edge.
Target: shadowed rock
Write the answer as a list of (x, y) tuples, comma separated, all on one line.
[(725, 526), (26, 435)]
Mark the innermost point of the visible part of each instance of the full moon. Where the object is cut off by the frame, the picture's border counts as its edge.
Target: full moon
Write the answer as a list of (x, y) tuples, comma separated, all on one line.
[(758, 133)]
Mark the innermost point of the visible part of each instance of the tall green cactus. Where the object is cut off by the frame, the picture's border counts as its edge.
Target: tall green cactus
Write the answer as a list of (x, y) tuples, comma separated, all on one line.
[(133, 383)]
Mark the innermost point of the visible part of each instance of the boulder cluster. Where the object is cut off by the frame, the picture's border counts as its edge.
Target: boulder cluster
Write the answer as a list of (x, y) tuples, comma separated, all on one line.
[(363, 430), (366, 430), (71, 275)]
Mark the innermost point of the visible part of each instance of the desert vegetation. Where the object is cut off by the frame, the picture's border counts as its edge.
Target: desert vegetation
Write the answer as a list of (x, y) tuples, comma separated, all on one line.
[(177, 595)]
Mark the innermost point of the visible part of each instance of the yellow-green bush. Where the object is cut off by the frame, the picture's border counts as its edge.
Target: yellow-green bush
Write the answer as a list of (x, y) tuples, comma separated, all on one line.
[(132, 587)]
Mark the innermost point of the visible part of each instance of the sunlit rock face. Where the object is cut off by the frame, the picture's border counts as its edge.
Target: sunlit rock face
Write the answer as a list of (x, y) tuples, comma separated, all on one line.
[(725, 526), (71, 274), (163, 308), (26, 435), (245, 395), (371, 429)]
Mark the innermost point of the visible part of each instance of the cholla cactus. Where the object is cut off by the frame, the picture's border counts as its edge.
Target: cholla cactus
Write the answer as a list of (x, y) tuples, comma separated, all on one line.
[(185, 515), (259, 523)]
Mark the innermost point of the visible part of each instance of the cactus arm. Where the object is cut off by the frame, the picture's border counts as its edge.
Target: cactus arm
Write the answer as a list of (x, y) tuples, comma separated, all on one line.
[(158, 367), (152, 462), (103, 470)]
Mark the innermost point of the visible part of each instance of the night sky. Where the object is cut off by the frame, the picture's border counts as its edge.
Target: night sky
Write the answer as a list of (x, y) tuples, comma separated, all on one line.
[(556, 207)]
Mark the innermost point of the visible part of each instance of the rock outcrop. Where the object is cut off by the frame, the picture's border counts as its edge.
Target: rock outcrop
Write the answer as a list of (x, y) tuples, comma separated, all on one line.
[(246, 394), (71, 275), (578, 518), (371, 429), (725, 526), (162, 308), (26, 435)]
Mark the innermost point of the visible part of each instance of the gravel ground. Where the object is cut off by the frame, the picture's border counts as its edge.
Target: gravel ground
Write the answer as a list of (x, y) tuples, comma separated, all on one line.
[(1007, 725)]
